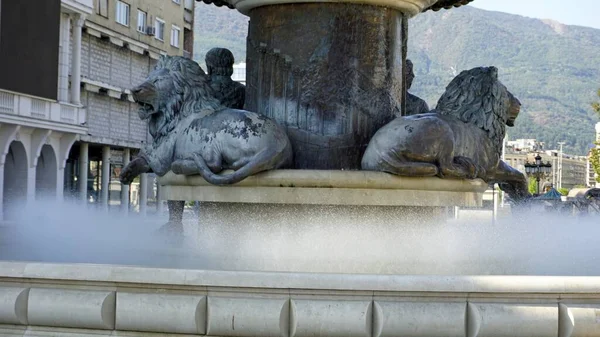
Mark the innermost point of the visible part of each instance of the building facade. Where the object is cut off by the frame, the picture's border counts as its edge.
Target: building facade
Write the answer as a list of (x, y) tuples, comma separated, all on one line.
[(120, 42), (38, 122), (68, 122)]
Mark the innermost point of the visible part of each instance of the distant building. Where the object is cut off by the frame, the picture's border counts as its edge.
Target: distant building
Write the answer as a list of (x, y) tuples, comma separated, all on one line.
[(575, 169), (525, 145), (239, 72)]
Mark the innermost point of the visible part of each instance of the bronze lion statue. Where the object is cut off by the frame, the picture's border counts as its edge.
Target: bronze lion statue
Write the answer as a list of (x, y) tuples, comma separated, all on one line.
[(194, 134), (461, 138)]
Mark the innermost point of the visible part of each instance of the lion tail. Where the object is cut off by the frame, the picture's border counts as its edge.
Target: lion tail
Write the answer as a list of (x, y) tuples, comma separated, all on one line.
[(256, 164)]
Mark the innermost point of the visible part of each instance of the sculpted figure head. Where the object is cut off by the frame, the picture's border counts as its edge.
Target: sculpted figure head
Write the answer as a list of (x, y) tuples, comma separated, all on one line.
[(175, 88), (476, 96), (219, 62)]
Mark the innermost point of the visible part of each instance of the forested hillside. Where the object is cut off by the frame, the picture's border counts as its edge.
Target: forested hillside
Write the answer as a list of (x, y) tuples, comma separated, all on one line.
[(552, 68)]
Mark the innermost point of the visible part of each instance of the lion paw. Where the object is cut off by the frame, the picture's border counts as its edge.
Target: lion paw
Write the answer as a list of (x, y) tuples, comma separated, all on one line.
[(136, 167)]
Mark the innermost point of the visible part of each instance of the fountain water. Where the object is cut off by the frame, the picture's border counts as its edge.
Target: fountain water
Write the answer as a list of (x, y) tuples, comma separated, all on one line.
[(80, 272)]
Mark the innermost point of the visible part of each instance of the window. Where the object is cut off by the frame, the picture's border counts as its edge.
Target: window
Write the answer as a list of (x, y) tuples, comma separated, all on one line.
[(141, 21), (177, 1), (122, 16), (102, 8), (175, 36), (159, 26)]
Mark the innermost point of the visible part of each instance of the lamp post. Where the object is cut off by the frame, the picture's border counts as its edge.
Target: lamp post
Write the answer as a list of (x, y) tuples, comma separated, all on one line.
[(538, 169)]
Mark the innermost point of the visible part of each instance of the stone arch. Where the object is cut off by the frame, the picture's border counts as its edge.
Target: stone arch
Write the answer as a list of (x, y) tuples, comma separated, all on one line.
[(15, 180), (46, 173)]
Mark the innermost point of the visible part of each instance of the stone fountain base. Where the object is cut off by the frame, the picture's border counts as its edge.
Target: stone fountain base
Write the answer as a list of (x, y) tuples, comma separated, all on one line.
[(93, 300), (292, 197)]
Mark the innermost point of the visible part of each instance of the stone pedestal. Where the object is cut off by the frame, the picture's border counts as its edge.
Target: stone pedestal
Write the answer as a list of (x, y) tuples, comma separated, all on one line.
[(300, 198), (330, 72)]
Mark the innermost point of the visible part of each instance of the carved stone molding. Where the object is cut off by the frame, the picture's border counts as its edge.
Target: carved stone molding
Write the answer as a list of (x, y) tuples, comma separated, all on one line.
[(78, 19), (409, 7)]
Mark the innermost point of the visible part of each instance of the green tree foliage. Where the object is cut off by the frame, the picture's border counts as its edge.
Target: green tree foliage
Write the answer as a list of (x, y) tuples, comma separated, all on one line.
[(596, 105), (532, 187), (595, 161), (563, 191), (595, 153)]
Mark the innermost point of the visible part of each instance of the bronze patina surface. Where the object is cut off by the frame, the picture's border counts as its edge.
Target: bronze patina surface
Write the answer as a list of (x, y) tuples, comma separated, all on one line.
[(331, 73)]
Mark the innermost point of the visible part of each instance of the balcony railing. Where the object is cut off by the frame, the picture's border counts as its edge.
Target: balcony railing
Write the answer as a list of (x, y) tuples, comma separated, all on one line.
[(27, 106)]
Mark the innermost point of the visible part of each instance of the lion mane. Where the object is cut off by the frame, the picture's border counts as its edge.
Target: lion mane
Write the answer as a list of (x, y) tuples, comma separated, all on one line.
[(192, 94), (477, 97)]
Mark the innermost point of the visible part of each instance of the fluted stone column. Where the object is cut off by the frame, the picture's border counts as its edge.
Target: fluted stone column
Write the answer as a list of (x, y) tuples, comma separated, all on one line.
[(124, 187), (77, 21), (83, 170), (105, 175)]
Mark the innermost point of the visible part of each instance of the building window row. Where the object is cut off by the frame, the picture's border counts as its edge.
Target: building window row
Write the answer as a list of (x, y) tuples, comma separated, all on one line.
[(123, 14)]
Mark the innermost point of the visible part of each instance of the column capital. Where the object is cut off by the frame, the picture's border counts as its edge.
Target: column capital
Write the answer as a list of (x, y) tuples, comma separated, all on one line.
[(78, 19)]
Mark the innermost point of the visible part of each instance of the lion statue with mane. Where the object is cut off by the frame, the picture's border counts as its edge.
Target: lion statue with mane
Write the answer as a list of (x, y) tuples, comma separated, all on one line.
[(461, 138), (194, 134)]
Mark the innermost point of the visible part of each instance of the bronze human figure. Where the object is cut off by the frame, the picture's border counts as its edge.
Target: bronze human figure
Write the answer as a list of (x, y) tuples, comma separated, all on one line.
[(219, 64), (414, 104)]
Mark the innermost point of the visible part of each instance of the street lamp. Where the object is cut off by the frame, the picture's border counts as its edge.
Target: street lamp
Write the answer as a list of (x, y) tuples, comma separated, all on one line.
[(538, 169)]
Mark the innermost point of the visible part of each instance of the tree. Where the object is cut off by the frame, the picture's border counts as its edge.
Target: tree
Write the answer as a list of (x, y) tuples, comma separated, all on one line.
[(532, 186), (595, 161), (595, 153), (596, 105)]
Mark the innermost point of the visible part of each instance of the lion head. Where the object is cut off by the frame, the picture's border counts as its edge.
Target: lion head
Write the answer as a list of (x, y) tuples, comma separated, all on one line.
[(476, 96), (176, 88)]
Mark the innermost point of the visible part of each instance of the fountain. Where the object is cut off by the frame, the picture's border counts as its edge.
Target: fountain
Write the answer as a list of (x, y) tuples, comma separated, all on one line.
[(313, 247)]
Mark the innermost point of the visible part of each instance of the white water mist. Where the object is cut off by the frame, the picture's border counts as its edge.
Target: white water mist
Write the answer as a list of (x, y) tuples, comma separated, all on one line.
[(526, 244)]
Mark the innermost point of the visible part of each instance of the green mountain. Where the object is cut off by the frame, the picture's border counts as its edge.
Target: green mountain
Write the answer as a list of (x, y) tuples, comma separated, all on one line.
[(554, 69)]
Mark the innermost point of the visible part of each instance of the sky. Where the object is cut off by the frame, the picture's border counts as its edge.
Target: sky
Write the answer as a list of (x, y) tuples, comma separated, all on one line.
[(571, 12)]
